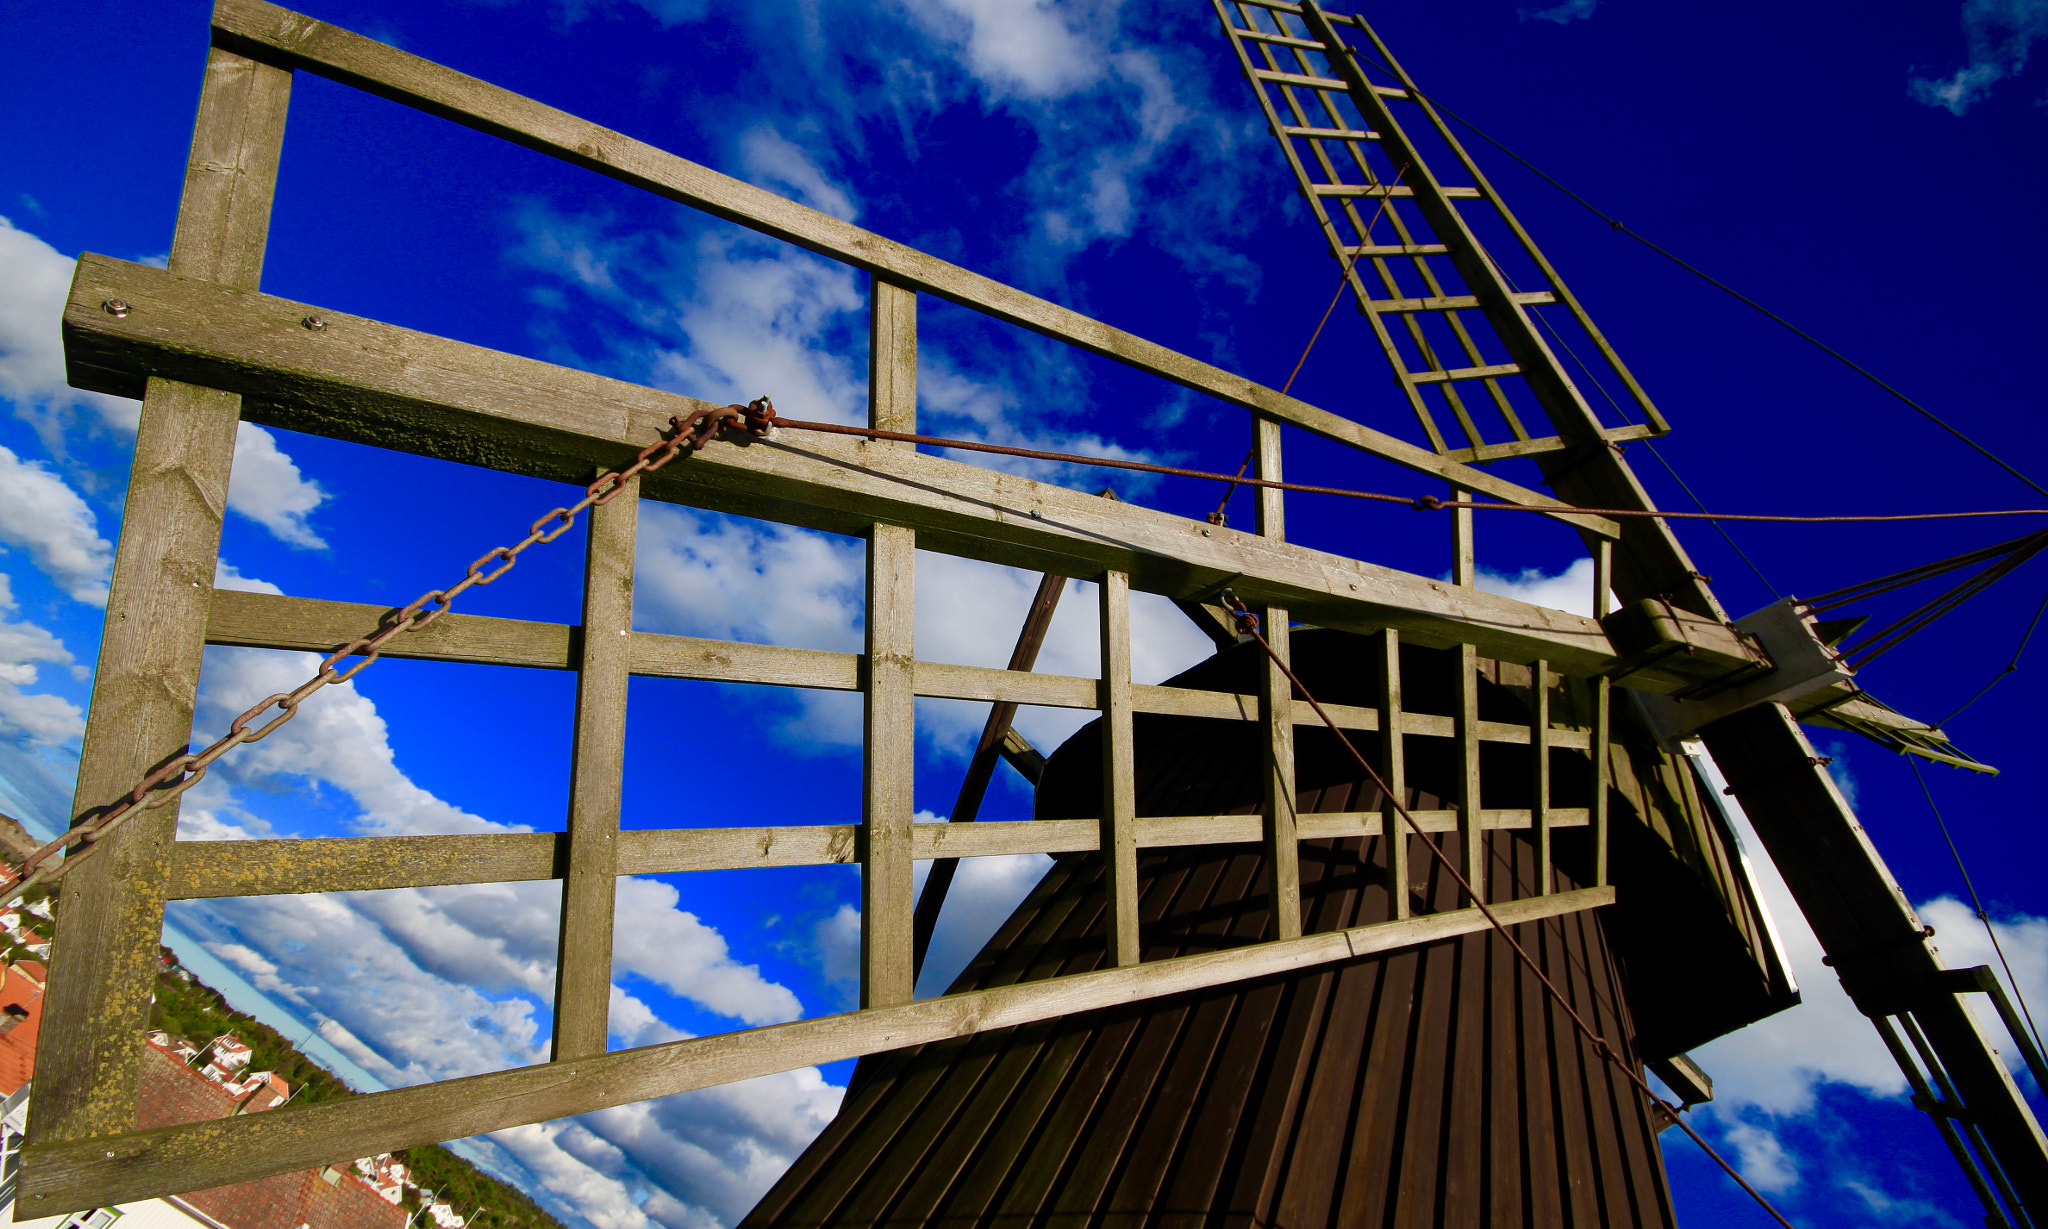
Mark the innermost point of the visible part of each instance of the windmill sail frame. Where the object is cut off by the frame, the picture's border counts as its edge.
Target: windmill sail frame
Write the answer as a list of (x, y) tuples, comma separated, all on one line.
[(205, 349)]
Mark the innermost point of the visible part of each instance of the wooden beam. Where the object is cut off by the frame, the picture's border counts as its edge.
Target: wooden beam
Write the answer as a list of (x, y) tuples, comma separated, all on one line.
[(889, 750), (375, 383), (290, 38), (201, 869), (65, 1176), (1119, 819), (1540, 743), (1394, 773), (1471, 846), (270, 621), (150, 652), (590, 881)]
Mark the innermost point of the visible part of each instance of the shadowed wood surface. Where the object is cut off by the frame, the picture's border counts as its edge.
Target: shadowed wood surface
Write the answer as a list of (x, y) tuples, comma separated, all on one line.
[(1432, 1086)]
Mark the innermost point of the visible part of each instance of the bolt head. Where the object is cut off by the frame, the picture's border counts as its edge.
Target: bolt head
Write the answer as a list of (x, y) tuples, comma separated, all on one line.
[(314, 323), (115, 307)]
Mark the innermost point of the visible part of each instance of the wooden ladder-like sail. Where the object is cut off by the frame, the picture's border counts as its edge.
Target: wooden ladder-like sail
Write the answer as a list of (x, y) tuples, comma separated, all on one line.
[(1451, 317)]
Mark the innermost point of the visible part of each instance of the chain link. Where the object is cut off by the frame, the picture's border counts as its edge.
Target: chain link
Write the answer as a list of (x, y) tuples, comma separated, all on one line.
[(686, 434)]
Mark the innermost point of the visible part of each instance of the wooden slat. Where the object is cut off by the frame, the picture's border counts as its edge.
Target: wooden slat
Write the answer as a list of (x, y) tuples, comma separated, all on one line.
[(1300, 79), (1119, 819), (201, 869), (150, 651), (359, 864), (590, 881), (65, 1176), (1328, 134), (1394, 771), (436, 397), (1276, 704), (1450, 302), (1376, 191), (1471, 848), (270, 621), (328, 51), (1282, 40), (1465, 373), (1389, 250), (1540, 744)]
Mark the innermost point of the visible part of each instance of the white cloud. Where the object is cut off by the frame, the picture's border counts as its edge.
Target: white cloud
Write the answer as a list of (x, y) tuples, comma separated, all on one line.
[(985, 892), (266, 486), (39, 513), (836, 945), (227, 576), (35, 717), (780, 165), (763, 318), (2000, 35), (1570, 590), (656, 940), (1028, 48), (1562, 14), (35, 279), (1762, 1158)]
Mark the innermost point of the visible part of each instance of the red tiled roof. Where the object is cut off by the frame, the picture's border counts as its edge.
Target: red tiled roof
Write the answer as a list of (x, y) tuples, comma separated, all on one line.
[(20, 985)]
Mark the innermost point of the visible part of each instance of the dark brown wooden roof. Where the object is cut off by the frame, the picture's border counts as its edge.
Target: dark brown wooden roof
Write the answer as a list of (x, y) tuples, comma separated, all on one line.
[(1436, 1086)]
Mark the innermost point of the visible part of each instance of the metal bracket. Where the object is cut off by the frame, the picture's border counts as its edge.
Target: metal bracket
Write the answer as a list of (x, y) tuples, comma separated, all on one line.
[(1797, 663)]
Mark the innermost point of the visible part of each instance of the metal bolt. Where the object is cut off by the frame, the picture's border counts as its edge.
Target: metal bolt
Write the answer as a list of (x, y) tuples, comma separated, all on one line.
[(1207, 534), (314, 323), (115, 307)]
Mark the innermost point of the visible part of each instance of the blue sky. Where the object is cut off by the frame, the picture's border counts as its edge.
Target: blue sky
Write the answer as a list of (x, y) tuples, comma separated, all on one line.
[(1875, 176)]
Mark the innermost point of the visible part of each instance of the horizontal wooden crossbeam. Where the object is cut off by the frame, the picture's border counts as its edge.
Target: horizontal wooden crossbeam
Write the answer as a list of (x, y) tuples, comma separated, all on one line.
[(267, 32), (396, 388), (374, 863), (67, 1175), (270, 621)]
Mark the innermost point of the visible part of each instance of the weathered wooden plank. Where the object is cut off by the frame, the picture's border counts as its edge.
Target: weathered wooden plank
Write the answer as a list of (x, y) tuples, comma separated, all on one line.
[(1394, 772), (1119, 819), (357, 379), (590, 880), (290, 38), (889, 750), (269, 621), (357, 864), (312, 625), (1276, 704), (1471, 848), (1540, 741), (202, 869), (150, 651), (64, 1176)]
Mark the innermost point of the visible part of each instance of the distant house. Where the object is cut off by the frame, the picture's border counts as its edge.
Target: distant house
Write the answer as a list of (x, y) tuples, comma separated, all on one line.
[(172, 1092)]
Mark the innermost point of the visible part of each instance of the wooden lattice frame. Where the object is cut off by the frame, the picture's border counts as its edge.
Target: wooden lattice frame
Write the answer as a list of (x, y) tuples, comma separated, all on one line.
[(205, 349)]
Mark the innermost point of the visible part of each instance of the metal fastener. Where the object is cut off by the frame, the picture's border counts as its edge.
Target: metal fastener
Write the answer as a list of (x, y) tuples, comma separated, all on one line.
[(314, 322), (115, 307)]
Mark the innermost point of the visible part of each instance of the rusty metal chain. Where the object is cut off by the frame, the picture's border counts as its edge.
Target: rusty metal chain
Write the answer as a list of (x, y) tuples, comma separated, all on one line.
[(686, 433)]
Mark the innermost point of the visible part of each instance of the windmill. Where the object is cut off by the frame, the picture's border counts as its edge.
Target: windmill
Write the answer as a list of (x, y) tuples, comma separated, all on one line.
[(1452, 689)]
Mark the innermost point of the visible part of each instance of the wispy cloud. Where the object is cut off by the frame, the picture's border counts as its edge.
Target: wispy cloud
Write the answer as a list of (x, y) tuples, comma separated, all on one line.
[(41, 514), (1999, 36), (1562, 14)]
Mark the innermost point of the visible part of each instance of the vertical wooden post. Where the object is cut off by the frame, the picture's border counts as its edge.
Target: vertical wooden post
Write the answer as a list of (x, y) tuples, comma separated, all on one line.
[(889, 756), (1603, 695), (1393, 769), (104, 963), (583, 958), (1471, 835), (1119, 764), (1539, 745), (1276, 710), (1464, 554)]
